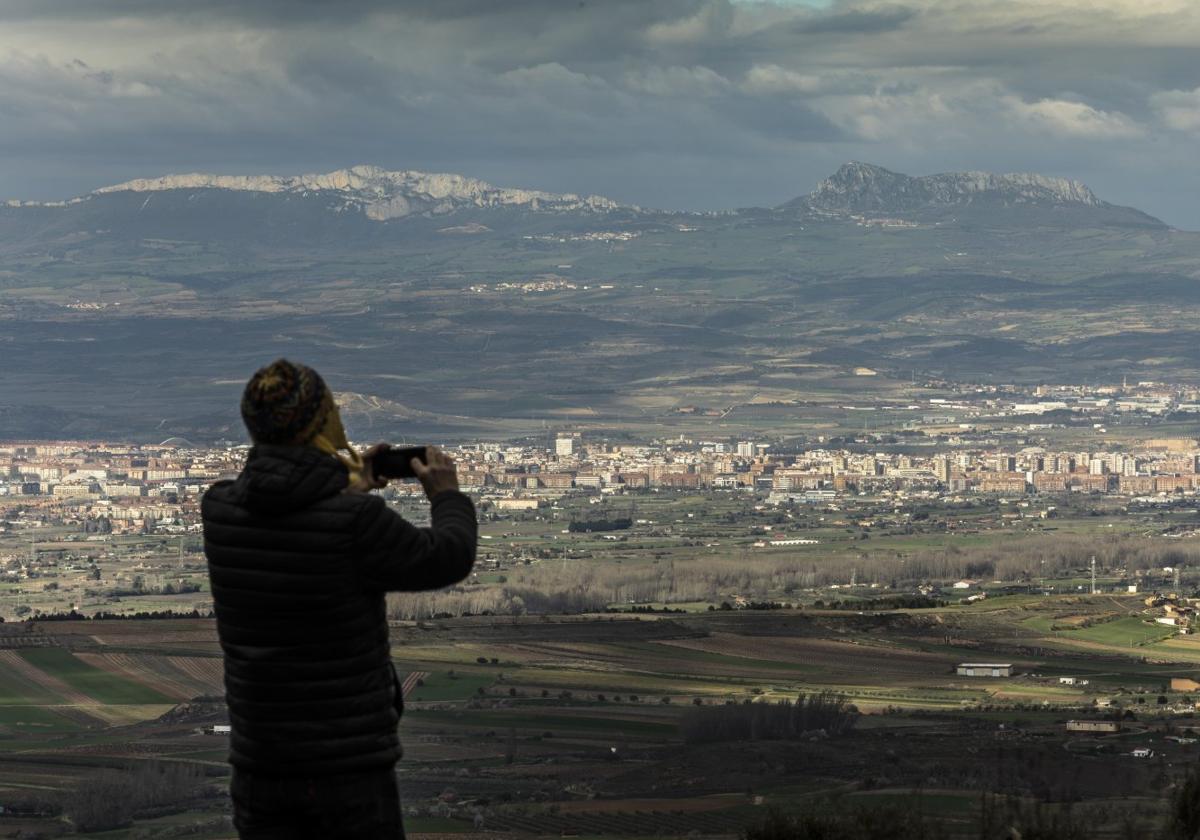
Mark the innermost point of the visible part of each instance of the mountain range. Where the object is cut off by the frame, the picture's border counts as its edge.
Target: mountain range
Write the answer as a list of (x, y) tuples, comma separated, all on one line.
[(380, 195), (442, 305)]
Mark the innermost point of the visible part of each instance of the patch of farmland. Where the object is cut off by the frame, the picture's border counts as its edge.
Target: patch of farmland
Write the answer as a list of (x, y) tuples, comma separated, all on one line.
[(110, 628), (561, 720), (149, 641), (1178, 648), (656, 658), (581, 655), (863, 660), (1122, 633), (30, 668), (33, 776), (41, 701), (127, 713), (184, 634), (90, 684), (624, 683), (410, 681), (157, 672), (21, 684), (207, 671), (44, 720), (441, 687)]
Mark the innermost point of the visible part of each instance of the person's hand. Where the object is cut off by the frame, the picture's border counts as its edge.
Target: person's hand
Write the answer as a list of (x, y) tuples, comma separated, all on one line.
[(367, 480), (437, 474)]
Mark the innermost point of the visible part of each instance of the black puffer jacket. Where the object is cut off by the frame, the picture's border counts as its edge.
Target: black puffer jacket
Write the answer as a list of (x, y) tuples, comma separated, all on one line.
[(299, 570)]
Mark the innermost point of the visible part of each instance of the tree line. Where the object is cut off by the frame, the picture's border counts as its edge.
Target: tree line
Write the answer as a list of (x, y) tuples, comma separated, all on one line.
[(785, 720), (577, 586)]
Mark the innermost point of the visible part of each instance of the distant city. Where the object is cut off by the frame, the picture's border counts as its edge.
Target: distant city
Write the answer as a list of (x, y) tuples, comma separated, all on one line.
[(984, 443), (984, 440)]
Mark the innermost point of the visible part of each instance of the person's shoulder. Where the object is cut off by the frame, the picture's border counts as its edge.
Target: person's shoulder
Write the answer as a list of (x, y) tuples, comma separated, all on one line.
[(366, 504), (218, 489)]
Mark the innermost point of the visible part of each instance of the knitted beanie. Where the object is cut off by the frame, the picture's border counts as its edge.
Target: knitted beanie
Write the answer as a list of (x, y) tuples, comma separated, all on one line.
[(285, 403)]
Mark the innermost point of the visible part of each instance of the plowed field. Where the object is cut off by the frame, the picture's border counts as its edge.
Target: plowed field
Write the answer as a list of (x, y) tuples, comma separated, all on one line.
[(847, 662), (161, 673)]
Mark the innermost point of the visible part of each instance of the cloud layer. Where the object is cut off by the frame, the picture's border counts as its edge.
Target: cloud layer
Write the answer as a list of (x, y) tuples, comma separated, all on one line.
[(671, 103)]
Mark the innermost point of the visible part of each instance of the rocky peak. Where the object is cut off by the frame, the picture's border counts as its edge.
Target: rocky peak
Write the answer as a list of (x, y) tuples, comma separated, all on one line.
[(863, 187)]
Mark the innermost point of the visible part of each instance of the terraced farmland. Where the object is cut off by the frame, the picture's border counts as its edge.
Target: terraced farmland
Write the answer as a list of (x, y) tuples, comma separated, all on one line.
[(87, 684), (176, 677), (573, 725), (863, 661)]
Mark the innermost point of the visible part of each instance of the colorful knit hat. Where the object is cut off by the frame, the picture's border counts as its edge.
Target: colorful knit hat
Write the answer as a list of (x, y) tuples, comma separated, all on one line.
[(285, 403), (290, 404)]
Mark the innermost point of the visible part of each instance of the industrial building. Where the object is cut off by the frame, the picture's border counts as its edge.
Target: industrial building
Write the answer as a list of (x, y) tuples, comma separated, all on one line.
[(984, 669), (1093, 726)]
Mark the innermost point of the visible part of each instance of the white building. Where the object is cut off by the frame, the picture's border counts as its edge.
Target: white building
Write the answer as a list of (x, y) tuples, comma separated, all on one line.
[(517, 504), (984, 669)]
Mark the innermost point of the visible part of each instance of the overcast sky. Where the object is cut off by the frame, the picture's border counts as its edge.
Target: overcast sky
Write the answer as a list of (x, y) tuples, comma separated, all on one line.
[(664, 103)]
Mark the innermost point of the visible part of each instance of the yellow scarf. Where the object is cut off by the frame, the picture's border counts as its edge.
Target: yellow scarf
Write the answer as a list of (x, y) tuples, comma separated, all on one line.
[(331, 439)]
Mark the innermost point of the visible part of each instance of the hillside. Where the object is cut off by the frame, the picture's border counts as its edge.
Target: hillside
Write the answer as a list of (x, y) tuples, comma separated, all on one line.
[(442, 305)]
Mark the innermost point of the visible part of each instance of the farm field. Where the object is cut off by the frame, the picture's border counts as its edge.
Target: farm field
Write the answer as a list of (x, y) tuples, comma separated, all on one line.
[(89, 683), (588, 724), (1122, 633)]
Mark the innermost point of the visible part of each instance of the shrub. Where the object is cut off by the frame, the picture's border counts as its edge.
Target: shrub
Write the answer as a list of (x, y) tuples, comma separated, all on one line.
[(111, 799), (1183, 819)]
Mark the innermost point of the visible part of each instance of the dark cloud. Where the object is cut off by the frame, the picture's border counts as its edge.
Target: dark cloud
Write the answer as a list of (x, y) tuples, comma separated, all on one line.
[(865, 22), (504, 14), (275, 12), (689, 103)]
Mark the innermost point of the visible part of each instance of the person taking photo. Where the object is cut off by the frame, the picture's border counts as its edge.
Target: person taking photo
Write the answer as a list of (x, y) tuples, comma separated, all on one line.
[(300, 556)]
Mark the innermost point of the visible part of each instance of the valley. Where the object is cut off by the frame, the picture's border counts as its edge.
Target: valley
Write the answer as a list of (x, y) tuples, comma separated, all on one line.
[(482, 319)]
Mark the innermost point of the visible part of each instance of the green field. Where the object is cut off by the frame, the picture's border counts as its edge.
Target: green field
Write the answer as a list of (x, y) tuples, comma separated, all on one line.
[(538, 722), (18, 690), (33, 720), (439, 685), (105, 687), (1123, 632)]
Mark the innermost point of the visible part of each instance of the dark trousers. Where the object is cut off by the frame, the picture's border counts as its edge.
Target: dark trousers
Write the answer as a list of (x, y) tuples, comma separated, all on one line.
[(365, 806)]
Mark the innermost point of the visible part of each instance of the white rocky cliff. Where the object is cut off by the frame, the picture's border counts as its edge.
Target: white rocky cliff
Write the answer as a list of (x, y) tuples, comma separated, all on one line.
[(379, 193)]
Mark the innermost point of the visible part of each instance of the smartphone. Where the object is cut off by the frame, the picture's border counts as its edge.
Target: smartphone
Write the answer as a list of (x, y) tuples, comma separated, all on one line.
[(395, 461)]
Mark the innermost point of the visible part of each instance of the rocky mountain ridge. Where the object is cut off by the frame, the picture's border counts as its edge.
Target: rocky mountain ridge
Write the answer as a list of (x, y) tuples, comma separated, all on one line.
[(864, 187), (379, 193)]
